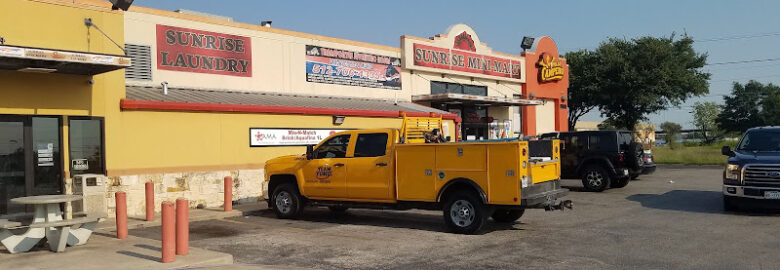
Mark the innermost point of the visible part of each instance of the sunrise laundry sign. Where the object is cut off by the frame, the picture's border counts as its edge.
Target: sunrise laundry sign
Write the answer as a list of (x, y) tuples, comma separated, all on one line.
[(189, 50)]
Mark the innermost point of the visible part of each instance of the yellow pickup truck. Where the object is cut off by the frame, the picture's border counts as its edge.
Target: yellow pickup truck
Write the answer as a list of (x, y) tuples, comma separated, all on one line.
[(388, 169)]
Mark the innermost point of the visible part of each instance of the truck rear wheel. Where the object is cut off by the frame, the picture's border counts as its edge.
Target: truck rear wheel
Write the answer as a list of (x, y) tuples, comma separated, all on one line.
[(286, 201), (507, 215), (595, 178), (464, 212)]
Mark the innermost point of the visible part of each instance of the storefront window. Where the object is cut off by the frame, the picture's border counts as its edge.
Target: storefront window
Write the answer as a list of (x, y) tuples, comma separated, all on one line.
[(86, 146)]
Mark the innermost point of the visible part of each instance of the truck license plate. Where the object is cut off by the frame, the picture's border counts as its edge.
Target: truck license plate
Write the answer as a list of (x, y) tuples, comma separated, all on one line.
[(774, 195)]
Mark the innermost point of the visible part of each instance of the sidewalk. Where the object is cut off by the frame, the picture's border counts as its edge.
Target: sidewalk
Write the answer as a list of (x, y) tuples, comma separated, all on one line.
[(109, 225), (104, 251)]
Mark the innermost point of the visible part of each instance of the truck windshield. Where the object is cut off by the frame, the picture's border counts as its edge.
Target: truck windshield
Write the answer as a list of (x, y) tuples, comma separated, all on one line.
[(760, 141)]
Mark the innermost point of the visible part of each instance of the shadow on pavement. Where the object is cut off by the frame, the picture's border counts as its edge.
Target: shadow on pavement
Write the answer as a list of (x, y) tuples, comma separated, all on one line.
[(385, 218), (138, 255), (697, 201)]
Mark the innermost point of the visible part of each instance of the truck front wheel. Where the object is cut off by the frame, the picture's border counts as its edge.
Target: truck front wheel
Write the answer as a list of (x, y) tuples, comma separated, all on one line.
[(286, 201), (464, 212), (507, 215)]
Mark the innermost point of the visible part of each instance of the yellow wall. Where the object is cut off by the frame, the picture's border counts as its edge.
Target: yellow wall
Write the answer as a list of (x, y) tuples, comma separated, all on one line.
[(60, 25), (156, 142)]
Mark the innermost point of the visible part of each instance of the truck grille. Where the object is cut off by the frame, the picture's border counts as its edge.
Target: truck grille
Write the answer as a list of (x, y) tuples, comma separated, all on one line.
[(762, 175)]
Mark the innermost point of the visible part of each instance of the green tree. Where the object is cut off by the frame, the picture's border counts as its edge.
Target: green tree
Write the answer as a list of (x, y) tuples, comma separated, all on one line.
[(646, 75), (750, 105), (704, 116), (671, 131), (584, 91)]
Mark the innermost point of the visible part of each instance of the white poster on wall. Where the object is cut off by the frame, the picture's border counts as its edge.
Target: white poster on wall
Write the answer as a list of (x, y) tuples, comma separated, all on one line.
[(287, 136)]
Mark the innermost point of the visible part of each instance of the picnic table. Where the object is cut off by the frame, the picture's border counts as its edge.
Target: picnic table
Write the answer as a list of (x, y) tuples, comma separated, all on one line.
[(48, 223)]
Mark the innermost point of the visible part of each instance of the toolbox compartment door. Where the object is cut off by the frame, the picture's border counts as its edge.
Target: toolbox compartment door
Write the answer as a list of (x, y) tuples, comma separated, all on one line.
[(415, 173)]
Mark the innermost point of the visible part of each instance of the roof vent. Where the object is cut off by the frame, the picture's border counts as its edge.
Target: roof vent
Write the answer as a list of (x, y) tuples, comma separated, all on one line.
[(198, 13)]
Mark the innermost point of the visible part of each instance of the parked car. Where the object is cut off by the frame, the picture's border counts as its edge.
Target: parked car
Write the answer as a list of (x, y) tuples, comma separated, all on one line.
[(648, 165), (752, 173), (602, 159)]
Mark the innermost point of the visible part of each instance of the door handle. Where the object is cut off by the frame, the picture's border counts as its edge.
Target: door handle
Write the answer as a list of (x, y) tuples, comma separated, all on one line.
[(338, 165), (381, 164)]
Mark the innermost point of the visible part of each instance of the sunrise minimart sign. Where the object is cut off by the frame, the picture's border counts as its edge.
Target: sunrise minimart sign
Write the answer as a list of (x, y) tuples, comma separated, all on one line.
[(460, 52)]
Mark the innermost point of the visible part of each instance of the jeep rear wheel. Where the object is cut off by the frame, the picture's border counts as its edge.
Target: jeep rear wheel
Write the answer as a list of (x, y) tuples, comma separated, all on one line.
[(507, 215), (286, 201), (595, 178), (464, 212), (619, 183)]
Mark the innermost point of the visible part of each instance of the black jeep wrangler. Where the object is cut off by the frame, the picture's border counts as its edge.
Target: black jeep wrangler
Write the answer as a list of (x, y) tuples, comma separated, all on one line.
[(602, 159)]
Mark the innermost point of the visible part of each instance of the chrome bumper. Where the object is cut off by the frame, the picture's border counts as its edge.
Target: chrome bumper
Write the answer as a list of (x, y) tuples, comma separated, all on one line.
[(739, 191)]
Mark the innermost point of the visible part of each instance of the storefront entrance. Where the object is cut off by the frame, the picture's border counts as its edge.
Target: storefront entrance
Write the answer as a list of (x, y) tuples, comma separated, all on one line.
[(30, 158)]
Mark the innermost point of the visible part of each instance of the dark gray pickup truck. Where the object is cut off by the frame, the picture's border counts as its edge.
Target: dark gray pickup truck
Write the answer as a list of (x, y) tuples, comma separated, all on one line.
[(753, 170)]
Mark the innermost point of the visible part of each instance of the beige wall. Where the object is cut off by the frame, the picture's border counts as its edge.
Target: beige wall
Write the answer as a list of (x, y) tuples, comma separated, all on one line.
[(545, 117), (278, 60)]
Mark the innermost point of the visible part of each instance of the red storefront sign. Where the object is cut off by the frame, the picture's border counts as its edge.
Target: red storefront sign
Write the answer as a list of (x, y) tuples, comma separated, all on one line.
[(458, 60), (189, 50)]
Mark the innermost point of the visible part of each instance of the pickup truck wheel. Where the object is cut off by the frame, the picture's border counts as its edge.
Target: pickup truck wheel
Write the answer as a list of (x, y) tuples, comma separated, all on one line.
[(286, 201), (729, 204), (507, 215), (619, 183), (464, 212), (595, 178)]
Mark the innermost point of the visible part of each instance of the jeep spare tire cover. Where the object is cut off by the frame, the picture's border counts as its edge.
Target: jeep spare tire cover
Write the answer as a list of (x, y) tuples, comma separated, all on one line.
[(634, 156)]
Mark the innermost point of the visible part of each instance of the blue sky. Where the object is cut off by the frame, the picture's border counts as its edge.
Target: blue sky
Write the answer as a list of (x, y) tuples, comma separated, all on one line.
[(573, 24)]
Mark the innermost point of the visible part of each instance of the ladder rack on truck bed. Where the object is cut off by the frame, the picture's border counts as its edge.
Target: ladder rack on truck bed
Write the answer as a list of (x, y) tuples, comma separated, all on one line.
[(415, 129)]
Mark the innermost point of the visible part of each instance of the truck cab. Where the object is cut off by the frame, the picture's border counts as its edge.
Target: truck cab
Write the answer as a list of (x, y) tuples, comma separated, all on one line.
[(752, 173), (414, 167)]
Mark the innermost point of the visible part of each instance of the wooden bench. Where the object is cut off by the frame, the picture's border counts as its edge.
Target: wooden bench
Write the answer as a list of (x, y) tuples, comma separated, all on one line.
[(66, 233)]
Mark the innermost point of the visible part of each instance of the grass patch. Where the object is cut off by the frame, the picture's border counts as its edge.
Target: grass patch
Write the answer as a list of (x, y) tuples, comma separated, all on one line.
[(691, 155)]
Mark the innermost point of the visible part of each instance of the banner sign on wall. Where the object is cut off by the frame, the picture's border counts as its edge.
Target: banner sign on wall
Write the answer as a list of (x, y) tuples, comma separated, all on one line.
[(443, 58), (333, 66), (189, 50), (287, 137)]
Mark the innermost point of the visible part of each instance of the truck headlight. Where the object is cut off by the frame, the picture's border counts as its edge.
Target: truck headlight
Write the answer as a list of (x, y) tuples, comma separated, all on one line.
[(732, 172)]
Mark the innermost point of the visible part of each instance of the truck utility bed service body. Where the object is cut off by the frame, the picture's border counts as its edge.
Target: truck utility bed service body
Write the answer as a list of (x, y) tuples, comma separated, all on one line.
[(373, 169)]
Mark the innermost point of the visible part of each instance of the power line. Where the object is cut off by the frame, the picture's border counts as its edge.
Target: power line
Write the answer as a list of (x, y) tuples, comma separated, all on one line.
[(735, 37), (744, 61)]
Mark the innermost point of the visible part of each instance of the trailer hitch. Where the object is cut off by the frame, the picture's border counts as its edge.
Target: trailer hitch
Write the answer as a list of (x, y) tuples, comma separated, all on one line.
[(567, 204)]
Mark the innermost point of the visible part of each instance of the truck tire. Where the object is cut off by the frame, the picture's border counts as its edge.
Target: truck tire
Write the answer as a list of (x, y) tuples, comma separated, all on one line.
[(464, 212), (619, 183), (595, 178), (507, 215), (286, 201), (730, 204)]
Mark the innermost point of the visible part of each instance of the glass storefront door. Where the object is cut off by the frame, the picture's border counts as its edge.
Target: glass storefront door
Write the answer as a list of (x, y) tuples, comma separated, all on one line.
[(30, 159), (12, 163)]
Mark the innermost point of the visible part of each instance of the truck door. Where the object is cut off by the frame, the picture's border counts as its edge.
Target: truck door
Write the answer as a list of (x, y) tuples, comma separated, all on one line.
[(369, 174), (325, 174)]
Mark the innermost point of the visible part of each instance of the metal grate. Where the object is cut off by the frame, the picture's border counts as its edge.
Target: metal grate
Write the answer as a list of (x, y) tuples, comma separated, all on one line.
[(141, 68), (762, 175)]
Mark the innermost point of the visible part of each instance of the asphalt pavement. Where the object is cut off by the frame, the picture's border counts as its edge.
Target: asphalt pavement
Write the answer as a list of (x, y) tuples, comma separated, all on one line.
[(672, 219)]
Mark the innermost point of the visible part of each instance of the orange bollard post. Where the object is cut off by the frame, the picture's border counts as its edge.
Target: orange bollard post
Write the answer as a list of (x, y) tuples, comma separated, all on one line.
[(121, 215), (149, 201), (168, 233), (182, 226), (228, 193)]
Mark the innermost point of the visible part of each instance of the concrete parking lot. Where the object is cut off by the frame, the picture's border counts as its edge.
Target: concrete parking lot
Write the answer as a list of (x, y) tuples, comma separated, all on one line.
[(672, 219)]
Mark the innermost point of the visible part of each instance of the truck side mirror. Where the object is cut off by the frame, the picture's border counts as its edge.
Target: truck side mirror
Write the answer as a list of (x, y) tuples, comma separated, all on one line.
[(726, 151), (309, 152)]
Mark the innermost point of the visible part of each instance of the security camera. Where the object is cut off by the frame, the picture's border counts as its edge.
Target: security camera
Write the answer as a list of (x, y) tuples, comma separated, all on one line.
[(91, 81)]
